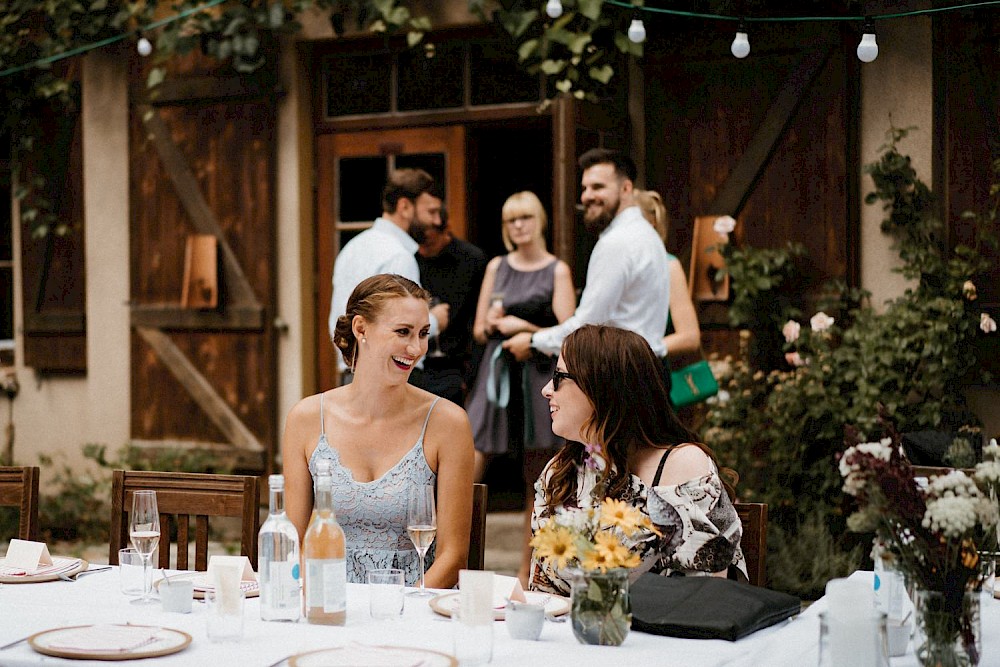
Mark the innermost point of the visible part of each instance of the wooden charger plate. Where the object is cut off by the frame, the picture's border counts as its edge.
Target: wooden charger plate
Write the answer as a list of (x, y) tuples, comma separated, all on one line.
[(80, 566), (251, 589), (555, 605), (354, 654), (170, 641)]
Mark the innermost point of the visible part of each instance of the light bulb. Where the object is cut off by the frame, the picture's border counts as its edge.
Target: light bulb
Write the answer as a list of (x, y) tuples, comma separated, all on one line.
[(554, 9), (741, 45), (637, 31), (144, 47), (867, 48)]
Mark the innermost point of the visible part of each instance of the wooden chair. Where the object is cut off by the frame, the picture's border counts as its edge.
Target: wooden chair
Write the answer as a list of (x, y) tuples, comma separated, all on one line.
[(19, 488), (180, 495), (477, 536), (753, 516)]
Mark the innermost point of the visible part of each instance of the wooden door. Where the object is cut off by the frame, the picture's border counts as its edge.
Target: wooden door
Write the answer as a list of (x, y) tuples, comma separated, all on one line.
[(202, 162), (351, 172)]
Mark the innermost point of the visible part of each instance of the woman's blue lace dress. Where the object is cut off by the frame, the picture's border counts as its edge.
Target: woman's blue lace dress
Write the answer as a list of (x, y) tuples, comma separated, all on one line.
[(373, 514)]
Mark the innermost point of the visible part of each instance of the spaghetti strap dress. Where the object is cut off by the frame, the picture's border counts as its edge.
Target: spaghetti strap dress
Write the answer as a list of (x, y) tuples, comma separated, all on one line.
[(373, 514)]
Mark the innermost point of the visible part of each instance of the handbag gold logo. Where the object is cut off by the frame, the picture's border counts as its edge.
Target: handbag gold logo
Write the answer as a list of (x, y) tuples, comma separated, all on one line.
[(689, 378)]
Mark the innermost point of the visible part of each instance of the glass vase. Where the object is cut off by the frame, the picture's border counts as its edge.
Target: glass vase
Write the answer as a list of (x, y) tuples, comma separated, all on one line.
[(948, 628), (601, 613)]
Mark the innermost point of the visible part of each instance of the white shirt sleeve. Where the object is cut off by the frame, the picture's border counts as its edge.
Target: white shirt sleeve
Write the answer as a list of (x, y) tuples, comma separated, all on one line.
[(607, 276)]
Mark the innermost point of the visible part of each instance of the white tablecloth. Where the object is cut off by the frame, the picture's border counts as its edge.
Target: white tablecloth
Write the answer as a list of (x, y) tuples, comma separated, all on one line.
[(30, 608)]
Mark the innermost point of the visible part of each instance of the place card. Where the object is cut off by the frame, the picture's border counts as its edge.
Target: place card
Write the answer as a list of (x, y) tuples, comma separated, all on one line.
[(475, 595), (26, 555), (506, 588), (240, 563)]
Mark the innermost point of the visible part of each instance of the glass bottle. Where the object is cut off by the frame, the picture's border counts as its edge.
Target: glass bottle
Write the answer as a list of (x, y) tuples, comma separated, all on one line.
[(323, 550), (278, 560)]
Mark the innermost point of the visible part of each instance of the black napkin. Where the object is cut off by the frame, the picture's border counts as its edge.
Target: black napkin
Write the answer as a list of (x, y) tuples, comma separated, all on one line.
[(705, 607)]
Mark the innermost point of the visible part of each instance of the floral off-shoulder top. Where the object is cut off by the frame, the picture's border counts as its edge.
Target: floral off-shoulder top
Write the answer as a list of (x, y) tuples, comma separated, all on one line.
[(699, 528)]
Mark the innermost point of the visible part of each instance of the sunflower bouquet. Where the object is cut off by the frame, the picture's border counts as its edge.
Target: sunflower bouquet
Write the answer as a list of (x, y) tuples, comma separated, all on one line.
[(600, 544)]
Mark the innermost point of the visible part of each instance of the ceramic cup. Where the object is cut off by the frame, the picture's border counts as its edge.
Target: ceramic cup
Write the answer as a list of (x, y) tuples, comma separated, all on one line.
[(524, 620), (176, 596)]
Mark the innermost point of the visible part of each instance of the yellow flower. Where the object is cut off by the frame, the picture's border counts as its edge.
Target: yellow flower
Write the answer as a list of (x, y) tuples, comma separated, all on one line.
[(613, 552), (556, 543), (620, 514), (596, 559)]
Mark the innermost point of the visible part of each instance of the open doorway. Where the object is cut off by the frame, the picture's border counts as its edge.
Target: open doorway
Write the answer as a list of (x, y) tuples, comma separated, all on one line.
[(503, 159)]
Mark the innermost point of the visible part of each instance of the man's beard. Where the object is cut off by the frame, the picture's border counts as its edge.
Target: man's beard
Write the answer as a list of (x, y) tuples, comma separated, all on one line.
[(417, 232), (599, 223)]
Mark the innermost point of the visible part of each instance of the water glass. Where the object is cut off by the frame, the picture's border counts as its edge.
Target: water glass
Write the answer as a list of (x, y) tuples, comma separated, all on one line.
[(224, 617), (860, 640), (130, 572), (385, 593), (472, 642)]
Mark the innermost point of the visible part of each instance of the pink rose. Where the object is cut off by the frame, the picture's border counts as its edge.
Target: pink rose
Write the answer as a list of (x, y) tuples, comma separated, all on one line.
[(987, 323), (794, 359), (791, 331)]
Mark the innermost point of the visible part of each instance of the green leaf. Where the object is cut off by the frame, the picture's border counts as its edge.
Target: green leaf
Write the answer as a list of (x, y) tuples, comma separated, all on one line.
[(398, 16), (590, 8), (594, 593), (420, 23), (526, 49), (156, 77), (413, 38), (602, 74), (564, 85), (579, 42), (515, 23), (553, 66)]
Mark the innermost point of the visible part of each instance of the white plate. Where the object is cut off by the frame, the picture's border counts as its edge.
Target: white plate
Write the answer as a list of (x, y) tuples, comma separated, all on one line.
[(201, 584), (60, 565), (372, 656), (555, 605), (167, 641)]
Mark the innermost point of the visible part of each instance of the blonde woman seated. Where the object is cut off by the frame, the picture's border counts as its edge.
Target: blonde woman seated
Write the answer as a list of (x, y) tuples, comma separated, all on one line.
[(608, 399), (686, 335), (384, 436)]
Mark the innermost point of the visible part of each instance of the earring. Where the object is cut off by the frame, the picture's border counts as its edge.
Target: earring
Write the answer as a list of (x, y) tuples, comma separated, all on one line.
[(364, 340)]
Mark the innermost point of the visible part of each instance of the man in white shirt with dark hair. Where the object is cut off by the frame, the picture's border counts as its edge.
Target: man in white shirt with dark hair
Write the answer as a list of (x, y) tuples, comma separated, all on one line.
[(628, 277), (409, 198)]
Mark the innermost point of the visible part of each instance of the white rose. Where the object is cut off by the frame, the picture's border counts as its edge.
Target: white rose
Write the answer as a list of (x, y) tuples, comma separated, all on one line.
[(791, 331), (820, 322), (987, 323), (724, 224), (969, 290)]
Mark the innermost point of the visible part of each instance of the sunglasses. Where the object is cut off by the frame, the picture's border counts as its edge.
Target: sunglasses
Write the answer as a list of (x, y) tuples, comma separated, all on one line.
[(558, 376)]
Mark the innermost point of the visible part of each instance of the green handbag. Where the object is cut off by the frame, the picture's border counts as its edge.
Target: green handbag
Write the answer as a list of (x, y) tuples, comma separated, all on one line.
[(692, 384)]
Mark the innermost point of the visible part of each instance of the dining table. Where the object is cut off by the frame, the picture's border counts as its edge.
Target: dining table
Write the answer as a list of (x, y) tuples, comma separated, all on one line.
[(26, 609)]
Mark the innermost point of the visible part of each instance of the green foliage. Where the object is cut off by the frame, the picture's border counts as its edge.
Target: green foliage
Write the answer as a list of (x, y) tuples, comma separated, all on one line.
[(763, 284), (783, 429), (808, 556)]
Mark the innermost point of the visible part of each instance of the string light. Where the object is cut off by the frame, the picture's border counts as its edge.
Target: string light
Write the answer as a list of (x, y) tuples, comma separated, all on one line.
[(554, 9), (636, 29), (741, 44), (868, 47), (144, 46)]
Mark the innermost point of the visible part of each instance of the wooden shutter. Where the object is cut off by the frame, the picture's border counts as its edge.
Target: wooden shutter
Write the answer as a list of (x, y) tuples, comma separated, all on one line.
[(54, 285), (202, 162)]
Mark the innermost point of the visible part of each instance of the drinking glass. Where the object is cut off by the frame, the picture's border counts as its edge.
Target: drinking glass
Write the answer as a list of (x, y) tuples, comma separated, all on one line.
[(144, 531), (421, 524), (434, 344)]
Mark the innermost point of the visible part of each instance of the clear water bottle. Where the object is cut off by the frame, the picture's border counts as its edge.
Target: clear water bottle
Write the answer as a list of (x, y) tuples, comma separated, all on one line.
[(278, 560)]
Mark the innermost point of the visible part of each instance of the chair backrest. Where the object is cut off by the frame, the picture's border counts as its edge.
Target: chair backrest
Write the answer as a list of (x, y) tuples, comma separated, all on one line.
[(179, 496), (19, 488), (477, 536), (753, 516)]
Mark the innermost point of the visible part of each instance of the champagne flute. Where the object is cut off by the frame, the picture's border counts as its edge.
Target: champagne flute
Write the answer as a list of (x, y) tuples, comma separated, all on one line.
[(421, 524), (144, 531)]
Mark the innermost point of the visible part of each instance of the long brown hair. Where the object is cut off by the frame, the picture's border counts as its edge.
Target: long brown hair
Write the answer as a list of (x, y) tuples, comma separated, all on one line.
[(623, 379)]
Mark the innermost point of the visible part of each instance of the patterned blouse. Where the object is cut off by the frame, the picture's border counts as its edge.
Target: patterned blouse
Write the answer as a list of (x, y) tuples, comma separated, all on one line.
[(700, 529)]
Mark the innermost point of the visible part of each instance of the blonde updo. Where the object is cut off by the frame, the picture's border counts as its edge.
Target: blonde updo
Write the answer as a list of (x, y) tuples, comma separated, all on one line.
[(652, 207), (367, 300)]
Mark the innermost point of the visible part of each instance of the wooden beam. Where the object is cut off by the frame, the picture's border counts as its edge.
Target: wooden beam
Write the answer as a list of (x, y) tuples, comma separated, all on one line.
[(734, 192), (222, 457), (194, 89), (173, 317), (49, 322), (200, 390), (202, 217)]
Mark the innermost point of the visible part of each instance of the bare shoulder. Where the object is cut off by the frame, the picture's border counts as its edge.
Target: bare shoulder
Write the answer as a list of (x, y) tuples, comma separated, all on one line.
[(686, 462), (562, 269), (494, 264), (448, 415)]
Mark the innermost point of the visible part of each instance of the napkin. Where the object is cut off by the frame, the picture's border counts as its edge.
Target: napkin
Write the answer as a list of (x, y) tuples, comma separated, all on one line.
[(26, 557), (475, 595), (506, 588), (225, 573), (104, 638)]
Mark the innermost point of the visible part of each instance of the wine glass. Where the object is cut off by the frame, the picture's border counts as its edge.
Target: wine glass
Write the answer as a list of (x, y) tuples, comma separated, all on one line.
[(434, 343), (421, 524), (144, 531)]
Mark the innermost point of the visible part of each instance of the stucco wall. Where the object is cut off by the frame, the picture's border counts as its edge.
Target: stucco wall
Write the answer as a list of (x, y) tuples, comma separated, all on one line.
[(57, 415)]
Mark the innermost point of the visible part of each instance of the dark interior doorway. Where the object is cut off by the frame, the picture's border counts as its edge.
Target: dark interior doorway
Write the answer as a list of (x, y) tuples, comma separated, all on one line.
[(503, 159)]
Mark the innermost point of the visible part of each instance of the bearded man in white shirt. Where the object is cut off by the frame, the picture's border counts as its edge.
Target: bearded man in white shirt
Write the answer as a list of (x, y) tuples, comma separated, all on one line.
[(628, 276), (409, 199)]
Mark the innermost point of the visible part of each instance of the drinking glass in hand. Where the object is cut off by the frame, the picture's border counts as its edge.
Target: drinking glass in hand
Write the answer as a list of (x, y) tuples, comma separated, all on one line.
[(421, 524), (144, 531)]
